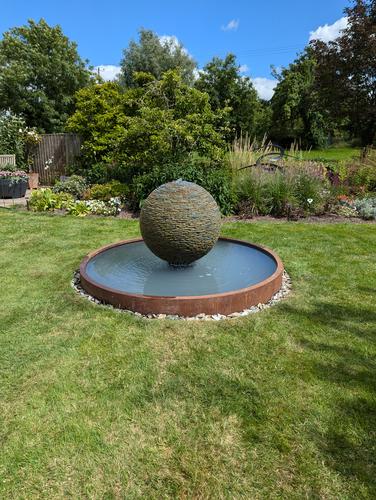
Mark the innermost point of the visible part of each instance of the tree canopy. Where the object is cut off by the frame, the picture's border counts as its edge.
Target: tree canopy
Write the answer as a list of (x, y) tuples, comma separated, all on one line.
[(346, 72), (40, 71), (226, 87), (297, 114), (155, 55), (330, 89), (146, 126)]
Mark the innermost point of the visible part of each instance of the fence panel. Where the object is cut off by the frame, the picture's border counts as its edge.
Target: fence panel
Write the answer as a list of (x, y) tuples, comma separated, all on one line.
[(53, 155)]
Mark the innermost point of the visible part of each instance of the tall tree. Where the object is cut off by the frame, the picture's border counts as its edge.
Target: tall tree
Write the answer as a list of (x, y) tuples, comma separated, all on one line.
[(40, 71), (346, 71), (297, 114), (221, 79), (155, 55)]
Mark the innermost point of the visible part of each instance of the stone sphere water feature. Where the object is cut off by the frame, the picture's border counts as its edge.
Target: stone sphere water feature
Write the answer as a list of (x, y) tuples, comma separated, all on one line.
[(181, 267), (180, 222)]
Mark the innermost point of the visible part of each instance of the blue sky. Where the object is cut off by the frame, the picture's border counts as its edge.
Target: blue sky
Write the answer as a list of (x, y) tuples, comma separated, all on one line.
[(259, 32)]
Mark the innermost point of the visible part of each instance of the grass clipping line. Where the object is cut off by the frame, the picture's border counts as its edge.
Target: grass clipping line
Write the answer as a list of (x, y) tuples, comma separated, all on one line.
[(282, 293)]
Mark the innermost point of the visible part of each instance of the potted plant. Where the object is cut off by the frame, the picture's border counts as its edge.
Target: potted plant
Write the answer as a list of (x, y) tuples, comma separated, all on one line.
[(13, 183)]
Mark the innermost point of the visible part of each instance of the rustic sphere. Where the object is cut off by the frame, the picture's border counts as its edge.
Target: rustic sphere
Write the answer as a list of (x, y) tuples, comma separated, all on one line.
[(180, 222)]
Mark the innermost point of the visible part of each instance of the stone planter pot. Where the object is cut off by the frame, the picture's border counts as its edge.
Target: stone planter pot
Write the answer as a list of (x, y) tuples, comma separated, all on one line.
[(10, 189), (33, 180)]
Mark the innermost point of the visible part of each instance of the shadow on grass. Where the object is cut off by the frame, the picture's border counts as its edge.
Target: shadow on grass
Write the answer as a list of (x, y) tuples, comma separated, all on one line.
[(353, 320), (218, 393), (350, 443), (344, 356)]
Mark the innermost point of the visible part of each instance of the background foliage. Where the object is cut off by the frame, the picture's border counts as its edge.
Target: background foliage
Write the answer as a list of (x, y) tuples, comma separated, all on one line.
[(155, 55), (40, 71), (226, 87)]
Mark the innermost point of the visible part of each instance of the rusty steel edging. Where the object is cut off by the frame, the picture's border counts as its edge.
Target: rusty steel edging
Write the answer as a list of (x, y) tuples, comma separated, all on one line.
[(222, 303)]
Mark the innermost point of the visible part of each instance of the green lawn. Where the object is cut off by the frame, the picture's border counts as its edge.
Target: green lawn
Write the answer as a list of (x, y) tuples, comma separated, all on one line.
[(345, 153), (101, 405)]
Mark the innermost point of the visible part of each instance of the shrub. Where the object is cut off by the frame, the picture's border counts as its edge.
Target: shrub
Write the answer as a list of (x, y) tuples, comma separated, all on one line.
[(159, 122), (361, 178), (12, 136), (74, 185), (295, 189), (43, 200), (358, 175), (105, 192), (309, 193), (78, 208), (211, 175), (16, 138), (366, 208), (279, 194), (99, 173), (345, 211)]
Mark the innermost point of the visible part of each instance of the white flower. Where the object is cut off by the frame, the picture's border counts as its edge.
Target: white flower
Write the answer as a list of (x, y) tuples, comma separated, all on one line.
[(309, 200)]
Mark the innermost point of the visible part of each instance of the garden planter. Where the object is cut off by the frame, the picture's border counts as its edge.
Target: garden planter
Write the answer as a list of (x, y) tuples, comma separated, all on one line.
[(33, 180), (12, 189)]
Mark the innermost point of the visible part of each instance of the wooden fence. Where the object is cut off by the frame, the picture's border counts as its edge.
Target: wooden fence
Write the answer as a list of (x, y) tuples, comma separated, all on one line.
[(54, 154)]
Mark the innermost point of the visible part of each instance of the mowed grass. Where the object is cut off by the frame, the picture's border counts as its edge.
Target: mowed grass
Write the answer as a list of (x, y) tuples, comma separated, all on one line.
[(338, 154), (102, 405)]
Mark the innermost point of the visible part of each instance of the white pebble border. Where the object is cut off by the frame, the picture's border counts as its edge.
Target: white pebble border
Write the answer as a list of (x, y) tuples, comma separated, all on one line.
[(277, 297)]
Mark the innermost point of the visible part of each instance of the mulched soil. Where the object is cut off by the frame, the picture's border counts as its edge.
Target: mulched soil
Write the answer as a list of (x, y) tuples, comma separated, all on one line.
[(328, 218), (325, 219)]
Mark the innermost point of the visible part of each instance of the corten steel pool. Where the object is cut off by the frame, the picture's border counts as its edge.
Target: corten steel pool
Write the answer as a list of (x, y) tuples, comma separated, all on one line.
[(233, 276)]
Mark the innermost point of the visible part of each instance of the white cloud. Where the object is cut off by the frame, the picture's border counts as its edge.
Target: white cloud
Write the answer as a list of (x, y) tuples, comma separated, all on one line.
[(173, 42), (232, 25), (197, 72), (169, 40), (265, 87), (107, 71), (329, 32), (243, 68)]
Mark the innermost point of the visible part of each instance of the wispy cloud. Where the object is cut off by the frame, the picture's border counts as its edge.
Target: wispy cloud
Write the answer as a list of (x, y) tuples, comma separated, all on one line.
[(107, 71), (265, 87), (329, 32), (243, 68), (232, 25)]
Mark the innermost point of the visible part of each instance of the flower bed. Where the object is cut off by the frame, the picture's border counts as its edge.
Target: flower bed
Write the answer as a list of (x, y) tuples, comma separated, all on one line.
[(46, 200)]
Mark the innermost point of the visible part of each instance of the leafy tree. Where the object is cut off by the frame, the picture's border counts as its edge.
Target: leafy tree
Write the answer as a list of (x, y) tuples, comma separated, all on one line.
[(98, 119), (155, 55), (171, 121), (146, 127), (297, 114), (346, 72), (222, 81), (40, 71)]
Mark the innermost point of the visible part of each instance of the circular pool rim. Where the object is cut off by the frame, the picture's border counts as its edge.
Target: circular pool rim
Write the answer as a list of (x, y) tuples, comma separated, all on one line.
[(188, 305)]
